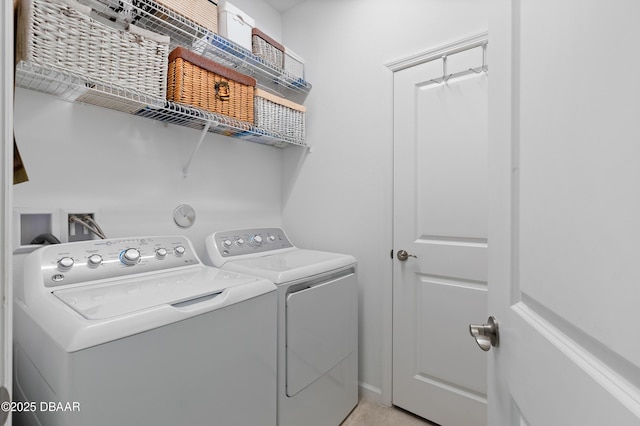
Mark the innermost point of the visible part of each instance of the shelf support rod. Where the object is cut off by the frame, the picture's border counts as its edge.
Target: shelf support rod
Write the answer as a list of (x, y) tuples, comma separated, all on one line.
[(185, 171)]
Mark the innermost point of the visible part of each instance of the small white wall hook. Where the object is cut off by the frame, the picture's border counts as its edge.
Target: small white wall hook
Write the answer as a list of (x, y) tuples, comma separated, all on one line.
[(484, 67)]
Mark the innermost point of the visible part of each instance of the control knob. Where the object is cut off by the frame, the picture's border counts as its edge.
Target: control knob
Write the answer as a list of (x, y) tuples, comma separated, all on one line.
[(65, 263), (227, 243), (94, 261), (161, 253), (130, 256), (257, 240), (179, 251), (271, 238)]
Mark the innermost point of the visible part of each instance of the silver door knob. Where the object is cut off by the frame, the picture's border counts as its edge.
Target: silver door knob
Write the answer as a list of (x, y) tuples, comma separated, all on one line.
[(403, 255), (486, 335)]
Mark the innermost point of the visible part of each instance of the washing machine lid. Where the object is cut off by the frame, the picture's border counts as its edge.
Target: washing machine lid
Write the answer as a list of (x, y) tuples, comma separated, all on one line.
[(83, 316), (290, 265), (115, 298)]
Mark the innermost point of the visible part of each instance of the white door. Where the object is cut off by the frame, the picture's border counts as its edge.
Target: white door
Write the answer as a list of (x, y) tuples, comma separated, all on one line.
[(6, 159), (440, 216), (565, 212)]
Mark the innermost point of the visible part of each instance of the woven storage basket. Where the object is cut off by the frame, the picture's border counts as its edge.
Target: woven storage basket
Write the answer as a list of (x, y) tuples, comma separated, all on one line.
[(200, 82), (267, 48), (279, 116), (60, 34), (293, 63), (202, 12)]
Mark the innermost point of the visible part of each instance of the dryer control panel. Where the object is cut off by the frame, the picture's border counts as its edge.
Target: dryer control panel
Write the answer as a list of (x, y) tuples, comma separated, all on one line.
[(250, 241), (83, 261)]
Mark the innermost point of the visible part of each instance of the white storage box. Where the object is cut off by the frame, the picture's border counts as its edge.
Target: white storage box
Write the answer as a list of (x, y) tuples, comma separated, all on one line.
[(234, 24), (293, 63)]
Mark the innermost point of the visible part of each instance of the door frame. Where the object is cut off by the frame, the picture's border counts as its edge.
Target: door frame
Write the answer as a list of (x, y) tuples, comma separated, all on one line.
[(501, 131), (386, 391), (6, 179)]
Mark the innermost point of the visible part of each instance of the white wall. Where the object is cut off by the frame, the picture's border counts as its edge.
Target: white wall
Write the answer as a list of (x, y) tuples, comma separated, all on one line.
[(129, 171), (338, 197)]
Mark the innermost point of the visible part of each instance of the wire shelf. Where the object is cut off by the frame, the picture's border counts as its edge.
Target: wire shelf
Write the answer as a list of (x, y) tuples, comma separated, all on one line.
[(71, 87), (185, 33)]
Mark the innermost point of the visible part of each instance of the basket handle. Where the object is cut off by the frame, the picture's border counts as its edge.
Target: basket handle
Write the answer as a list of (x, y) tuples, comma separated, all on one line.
[(222, 90)]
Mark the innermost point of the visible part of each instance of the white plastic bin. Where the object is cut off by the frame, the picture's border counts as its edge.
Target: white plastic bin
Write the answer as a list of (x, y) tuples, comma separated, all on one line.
[(234, 24)]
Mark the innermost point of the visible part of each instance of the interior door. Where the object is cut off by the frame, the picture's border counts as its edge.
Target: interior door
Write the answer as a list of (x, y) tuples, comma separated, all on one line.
[(565, 213), (440, 220)]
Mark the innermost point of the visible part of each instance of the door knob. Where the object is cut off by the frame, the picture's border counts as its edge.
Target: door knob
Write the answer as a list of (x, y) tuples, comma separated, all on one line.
[(486, 335), (403, 255)]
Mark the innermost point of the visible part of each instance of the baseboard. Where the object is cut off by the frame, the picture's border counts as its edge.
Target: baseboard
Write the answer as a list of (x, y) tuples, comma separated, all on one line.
[(370, 393)]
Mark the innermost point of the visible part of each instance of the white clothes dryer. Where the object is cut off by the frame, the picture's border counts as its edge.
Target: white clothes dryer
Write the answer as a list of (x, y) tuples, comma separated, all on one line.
[(317, 320), (137, 331)]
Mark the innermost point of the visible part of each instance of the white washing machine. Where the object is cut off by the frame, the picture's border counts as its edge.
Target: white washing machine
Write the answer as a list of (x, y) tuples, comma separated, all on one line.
[(138, 331), (317, 320)]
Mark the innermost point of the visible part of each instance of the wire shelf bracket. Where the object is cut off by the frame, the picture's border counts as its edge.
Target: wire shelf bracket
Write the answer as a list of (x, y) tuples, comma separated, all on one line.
[(185, 171)]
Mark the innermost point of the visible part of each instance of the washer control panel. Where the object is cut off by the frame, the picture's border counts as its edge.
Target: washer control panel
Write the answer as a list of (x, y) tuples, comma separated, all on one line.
[(83, 261), (249, 241)]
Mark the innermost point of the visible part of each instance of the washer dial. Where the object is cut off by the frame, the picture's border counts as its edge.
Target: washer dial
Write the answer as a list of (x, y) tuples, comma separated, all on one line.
[(65, 263), (94, 261), (130, 256)]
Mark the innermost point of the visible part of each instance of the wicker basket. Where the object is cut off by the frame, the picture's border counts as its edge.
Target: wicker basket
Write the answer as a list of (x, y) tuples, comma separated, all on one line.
[(197, 81), (267, 48), (60, 34), (202, 12), (293, 63), (279, 116)]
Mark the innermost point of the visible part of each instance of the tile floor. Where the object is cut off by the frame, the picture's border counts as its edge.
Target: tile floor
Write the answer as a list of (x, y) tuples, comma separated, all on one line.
[(368, 413)]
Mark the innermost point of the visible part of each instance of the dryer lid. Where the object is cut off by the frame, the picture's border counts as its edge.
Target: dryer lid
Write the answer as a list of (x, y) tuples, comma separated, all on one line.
[(291, 265)]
